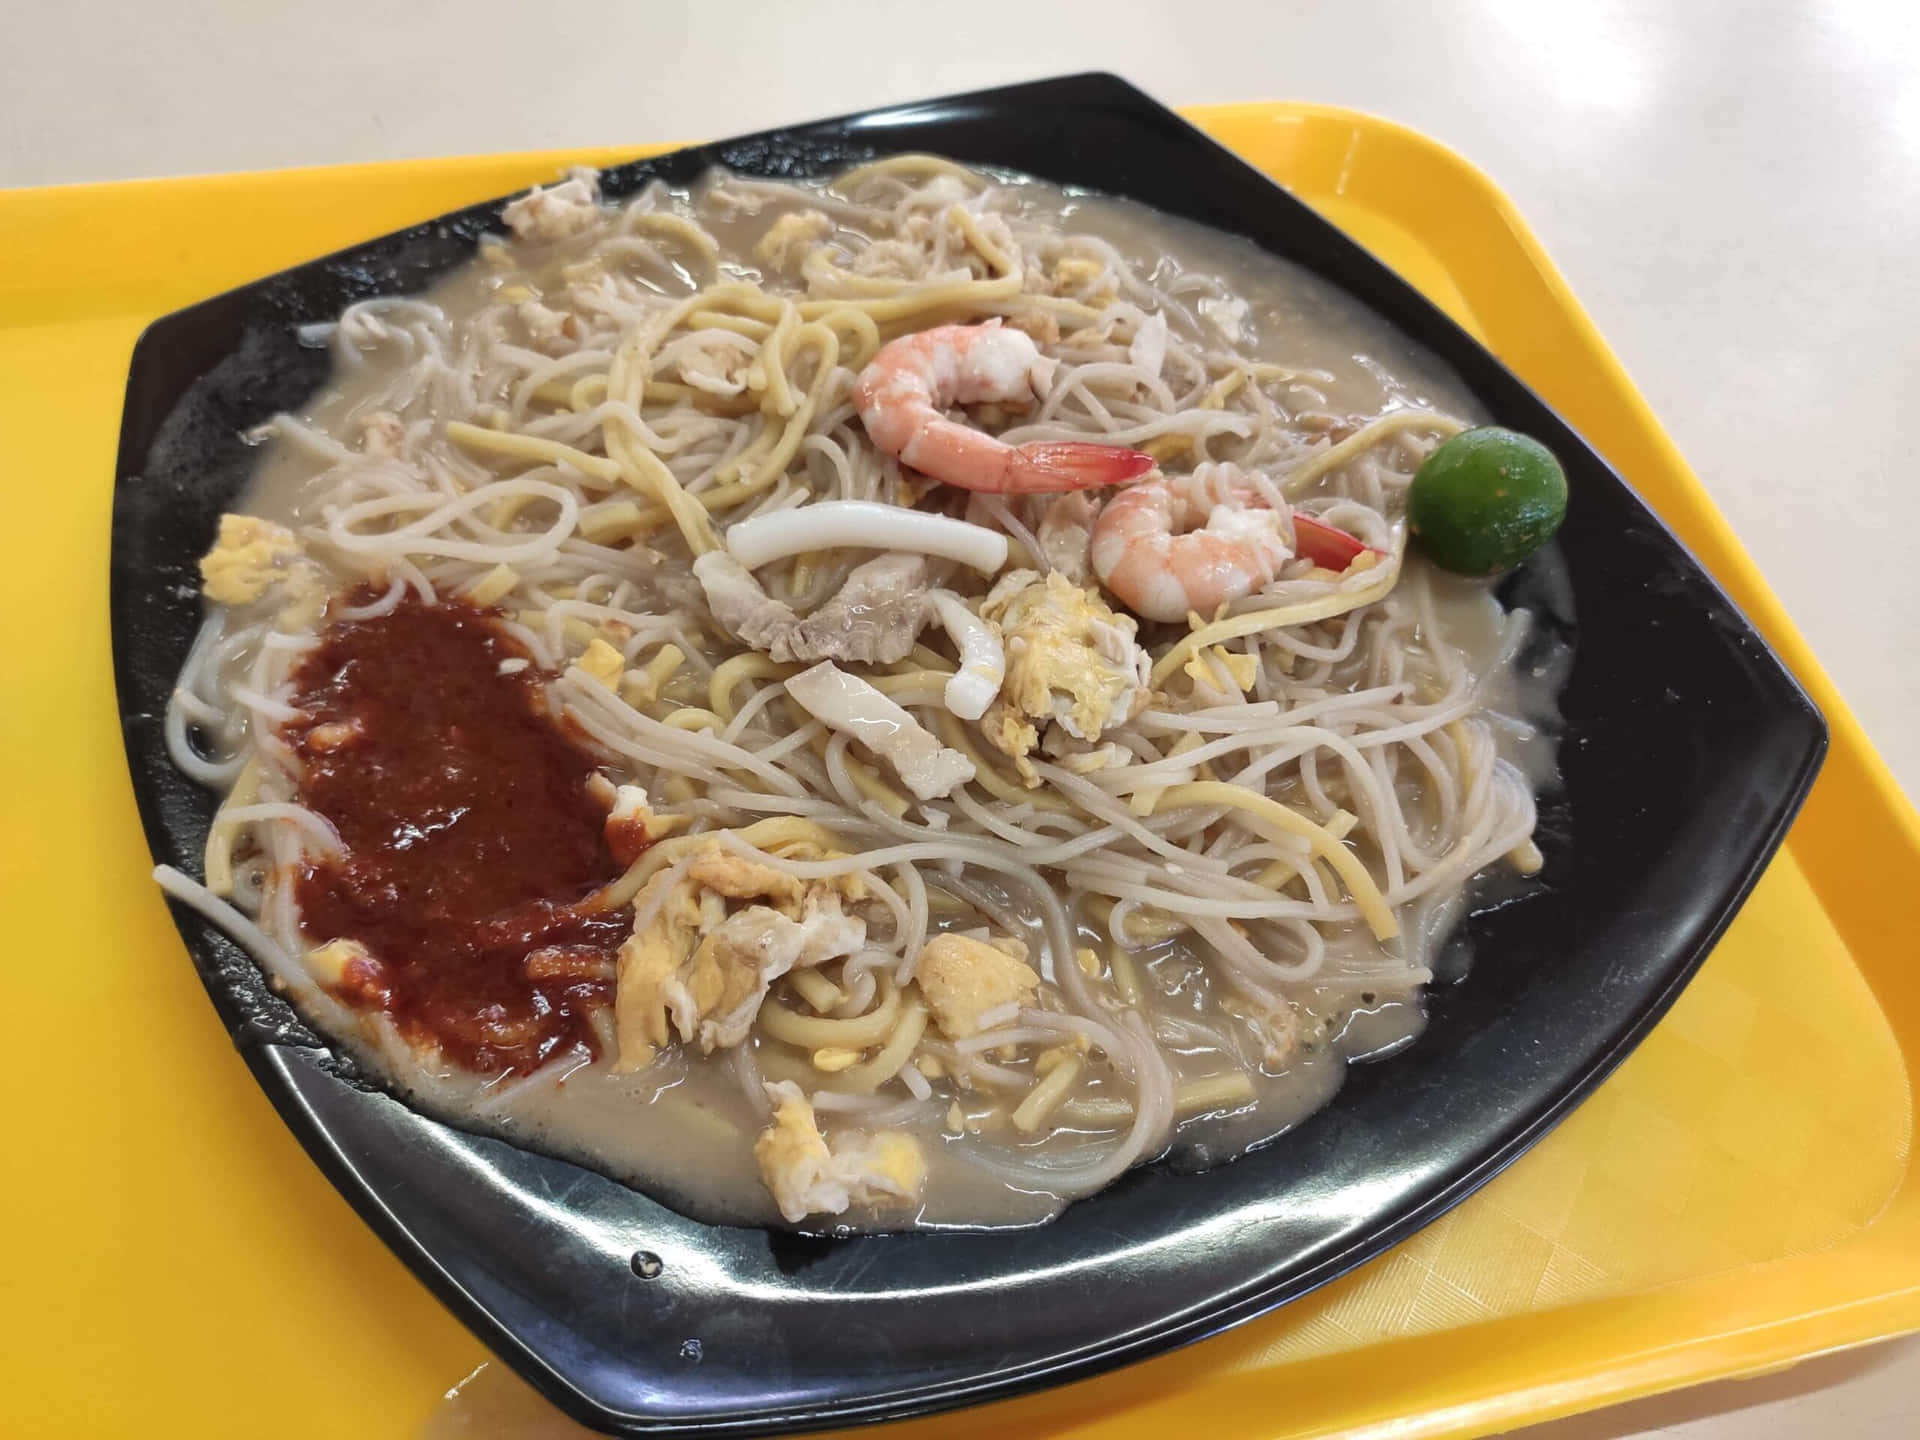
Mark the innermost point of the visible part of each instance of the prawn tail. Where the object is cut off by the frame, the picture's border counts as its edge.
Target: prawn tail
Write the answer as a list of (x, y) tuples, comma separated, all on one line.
[(1325, 546), (1047, 467)]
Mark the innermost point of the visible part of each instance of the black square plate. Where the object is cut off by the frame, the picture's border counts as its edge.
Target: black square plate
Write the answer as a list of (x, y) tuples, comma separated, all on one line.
[(1687, 750)]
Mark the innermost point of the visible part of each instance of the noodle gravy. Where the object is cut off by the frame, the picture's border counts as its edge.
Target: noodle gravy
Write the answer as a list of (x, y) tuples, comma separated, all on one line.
[(683, 1128)]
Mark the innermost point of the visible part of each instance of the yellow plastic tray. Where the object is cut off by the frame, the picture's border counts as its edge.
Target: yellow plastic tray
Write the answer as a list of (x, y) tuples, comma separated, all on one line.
[(1735, 1198)]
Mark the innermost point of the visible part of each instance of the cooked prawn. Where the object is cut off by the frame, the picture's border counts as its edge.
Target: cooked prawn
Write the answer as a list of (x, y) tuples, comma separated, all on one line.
[(904, 393), (1167, 548), (1170, 547)]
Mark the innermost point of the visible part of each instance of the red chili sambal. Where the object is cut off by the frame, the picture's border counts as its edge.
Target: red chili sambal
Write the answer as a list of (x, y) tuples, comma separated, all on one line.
[(470, 837)]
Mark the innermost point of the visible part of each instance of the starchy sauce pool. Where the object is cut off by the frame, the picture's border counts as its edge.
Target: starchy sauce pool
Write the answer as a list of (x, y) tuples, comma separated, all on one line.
[(470, 837)]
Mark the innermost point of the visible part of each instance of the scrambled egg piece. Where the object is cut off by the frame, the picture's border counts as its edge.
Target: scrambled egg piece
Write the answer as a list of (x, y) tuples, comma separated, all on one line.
[(739, 878), (738, 960), (712, 994), (1071, 661), (647, 685), (602, 662), (1206, 667), (694, 971), (716, 367), (649, 962), (542, 216), (1231, 317), (551, 332), (789, 238), (964, 979), (1082, 760), (349, 970), (631, 825), (809, 1176), (249, 558), (328, 963)]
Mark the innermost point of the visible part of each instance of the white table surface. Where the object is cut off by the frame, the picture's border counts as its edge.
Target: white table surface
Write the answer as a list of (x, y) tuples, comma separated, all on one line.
[(1733, 190)]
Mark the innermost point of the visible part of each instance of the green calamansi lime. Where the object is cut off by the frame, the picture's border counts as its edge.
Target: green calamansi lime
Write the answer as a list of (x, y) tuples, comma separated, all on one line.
[(1485, 500)]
